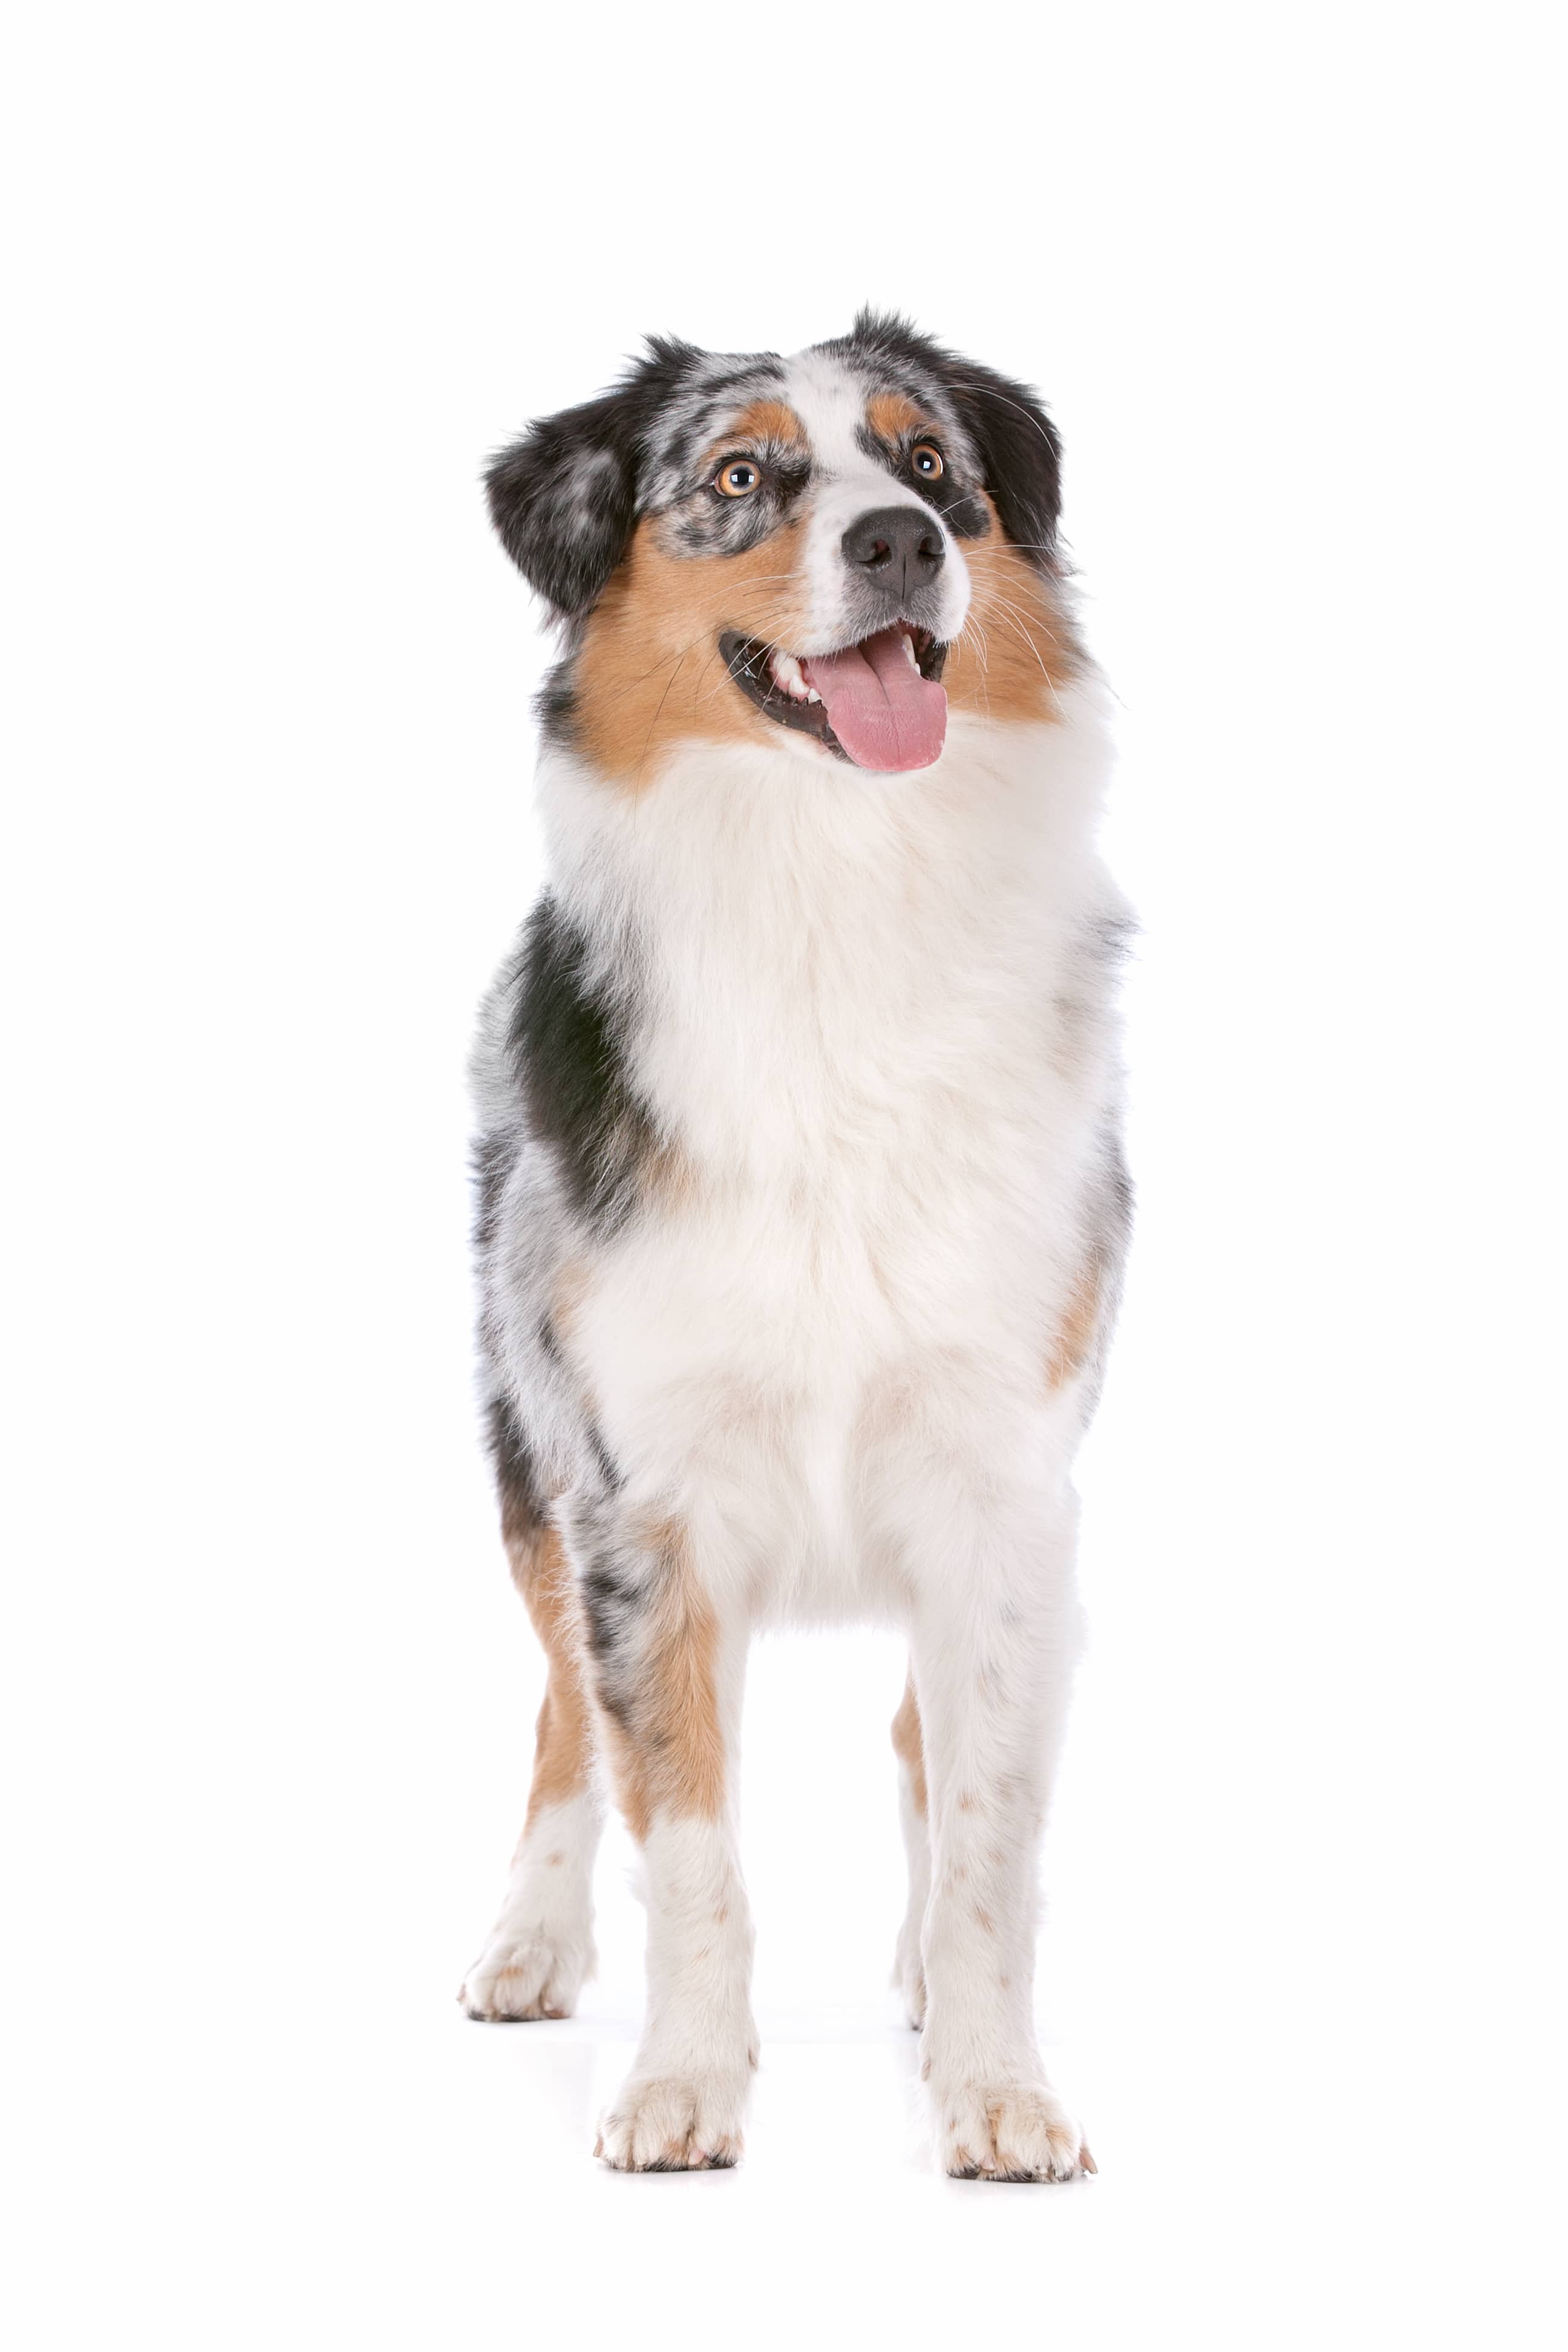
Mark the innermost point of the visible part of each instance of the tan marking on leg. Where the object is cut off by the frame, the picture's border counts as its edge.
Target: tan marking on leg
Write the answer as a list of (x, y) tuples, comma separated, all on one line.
[(671, 1759), (650, 674), (563, 1734), (1076, 1339), (1016, 649), (908, 1746)]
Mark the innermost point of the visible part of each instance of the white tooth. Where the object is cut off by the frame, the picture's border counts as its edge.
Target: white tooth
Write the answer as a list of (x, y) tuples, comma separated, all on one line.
[(787, 676), (811, 695), (910, 649)]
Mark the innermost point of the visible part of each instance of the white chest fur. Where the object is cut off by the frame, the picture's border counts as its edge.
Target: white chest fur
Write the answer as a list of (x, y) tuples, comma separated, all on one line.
[(868, 1024)]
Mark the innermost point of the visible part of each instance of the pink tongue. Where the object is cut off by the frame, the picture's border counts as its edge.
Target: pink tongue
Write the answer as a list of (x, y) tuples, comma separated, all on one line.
[(886, 715)]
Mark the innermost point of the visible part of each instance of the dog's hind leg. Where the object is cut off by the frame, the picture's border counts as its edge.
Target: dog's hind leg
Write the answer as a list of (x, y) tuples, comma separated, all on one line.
[(541, 1946), (908, 1971)]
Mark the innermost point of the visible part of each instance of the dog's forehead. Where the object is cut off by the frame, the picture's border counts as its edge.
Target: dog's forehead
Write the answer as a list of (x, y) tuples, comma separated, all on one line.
[(830, 393)]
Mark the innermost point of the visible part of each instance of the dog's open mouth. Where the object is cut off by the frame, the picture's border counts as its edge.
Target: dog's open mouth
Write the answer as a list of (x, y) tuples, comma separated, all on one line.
[(880, 703)]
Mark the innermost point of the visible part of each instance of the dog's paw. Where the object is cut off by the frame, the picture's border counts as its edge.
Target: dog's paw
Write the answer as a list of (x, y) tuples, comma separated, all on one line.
[(529, 1969), (673, 2123), (1009, 2131)]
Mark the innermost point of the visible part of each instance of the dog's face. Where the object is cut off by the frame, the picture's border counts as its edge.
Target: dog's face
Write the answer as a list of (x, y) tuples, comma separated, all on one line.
[(823, 550)]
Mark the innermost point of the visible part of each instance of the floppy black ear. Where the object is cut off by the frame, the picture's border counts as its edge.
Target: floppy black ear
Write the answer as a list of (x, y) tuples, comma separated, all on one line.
[(1020, 452), (564, 498)]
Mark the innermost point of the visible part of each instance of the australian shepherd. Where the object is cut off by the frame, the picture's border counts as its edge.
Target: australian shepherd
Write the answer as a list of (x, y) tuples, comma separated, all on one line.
[(802, 1206)]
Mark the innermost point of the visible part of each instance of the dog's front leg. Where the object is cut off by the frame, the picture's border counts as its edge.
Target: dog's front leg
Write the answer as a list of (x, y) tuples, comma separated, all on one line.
[(993, 1648), (669, 1668)]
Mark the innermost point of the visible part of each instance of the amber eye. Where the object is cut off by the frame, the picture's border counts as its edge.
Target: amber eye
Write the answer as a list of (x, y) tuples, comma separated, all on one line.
[(926, 460), (737, 478)]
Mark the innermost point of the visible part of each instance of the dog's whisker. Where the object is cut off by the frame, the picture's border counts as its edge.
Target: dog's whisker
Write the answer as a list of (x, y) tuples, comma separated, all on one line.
[(1019, 631), (653, 723)]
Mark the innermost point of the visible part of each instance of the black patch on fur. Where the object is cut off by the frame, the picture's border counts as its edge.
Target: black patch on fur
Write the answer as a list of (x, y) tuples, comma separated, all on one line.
[(965, 514), (522, 1502), (491, 1163), (565, 1043), (960, 509), (563, 497), (614, 1601), (555, 705), (715, 525), (1018, 446), (611, 1605), (604, 1461)]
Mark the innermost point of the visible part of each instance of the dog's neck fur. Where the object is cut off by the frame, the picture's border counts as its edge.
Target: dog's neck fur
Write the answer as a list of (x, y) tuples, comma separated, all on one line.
[(815, 945)]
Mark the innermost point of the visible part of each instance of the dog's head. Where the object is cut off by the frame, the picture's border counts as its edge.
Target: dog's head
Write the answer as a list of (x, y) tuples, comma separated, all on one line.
[(836, 545)]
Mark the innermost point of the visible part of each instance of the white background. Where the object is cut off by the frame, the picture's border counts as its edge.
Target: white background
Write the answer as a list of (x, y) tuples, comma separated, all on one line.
[(282, 278)]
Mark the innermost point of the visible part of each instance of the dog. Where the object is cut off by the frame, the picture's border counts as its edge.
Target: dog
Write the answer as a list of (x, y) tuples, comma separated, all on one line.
[(802, 1205)]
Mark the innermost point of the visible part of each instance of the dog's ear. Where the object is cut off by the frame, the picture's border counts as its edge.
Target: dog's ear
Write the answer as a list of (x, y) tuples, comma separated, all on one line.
[(1020, 455), (564, 498)]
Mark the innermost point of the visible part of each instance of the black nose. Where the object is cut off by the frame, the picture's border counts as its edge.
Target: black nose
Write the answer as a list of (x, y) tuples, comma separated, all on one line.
[(901, 548)]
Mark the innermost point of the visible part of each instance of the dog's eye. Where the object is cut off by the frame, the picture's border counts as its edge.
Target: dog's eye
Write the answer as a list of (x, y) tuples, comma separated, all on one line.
[(737, 478), (926, 461)]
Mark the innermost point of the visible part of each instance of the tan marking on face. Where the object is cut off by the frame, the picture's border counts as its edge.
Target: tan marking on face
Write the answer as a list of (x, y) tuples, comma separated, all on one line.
[(670, 1760), (763, 420), (893, 415), (909, 1748), (1076, 1337), (563, 1734), (649, 673), (1016, 649)]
